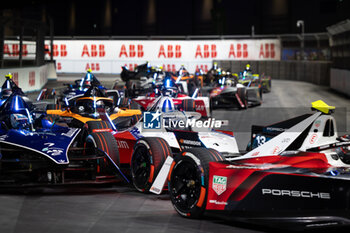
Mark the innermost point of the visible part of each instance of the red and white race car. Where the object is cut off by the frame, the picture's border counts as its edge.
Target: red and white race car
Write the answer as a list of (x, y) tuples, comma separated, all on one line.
[(181, 102), (298, 179)]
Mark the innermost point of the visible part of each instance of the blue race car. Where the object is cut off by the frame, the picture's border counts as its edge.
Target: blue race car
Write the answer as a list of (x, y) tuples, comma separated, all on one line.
[(36, 151), (8, 87)]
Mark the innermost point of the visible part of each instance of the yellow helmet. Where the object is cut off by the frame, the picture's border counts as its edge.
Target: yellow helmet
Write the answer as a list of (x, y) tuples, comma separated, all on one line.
[(89, 70), (247, 66), (9, 76)]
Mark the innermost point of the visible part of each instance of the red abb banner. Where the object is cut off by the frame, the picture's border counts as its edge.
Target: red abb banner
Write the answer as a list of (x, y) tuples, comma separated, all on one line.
[(108, 56)]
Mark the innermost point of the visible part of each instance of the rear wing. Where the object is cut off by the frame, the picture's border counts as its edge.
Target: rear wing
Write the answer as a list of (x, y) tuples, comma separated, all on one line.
[(262, 134)]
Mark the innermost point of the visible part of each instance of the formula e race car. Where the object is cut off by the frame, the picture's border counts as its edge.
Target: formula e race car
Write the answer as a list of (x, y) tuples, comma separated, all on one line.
[(8, 87), (255, 80), (248, 78), (140, 81), (189, 82), (35, 151), (169, 88), (227, 92), (80, 86), (298, 179), (145, 146), (95, 107)]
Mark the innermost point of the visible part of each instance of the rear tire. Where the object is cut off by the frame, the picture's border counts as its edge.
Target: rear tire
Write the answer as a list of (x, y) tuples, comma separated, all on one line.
[(188, 105), (188, 192), (148, 157)]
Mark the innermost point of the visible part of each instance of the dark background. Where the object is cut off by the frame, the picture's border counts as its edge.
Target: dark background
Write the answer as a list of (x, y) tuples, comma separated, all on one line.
[(178, 17)]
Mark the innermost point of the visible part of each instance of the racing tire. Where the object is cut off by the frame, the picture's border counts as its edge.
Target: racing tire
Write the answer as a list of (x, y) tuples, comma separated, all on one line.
[(48, 94), (52, 117), (147, 159), (189, 181), (92, 126), (261, 91), (191, 87), (268, 89), (104, 141), (188, 105), (124, 102), (130, 89), (242, 94)]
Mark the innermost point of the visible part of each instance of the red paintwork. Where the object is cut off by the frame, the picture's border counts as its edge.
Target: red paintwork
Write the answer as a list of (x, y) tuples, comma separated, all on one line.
[(125, 149), (247, 173), (148, 101)]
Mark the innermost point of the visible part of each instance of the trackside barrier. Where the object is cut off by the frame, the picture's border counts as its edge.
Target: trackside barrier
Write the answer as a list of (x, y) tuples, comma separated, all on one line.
[(340, 81), (30, 78), (107, 56), (317, 72)]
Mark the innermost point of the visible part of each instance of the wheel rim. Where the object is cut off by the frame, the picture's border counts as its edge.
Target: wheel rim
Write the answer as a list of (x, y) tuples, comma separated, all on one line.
[(140, 167), (185, 186)]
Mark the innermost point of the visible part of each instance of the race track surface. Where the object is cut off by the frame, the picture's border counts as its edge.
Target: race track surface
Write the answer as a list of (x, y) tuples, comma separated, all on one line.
[(120, 208)]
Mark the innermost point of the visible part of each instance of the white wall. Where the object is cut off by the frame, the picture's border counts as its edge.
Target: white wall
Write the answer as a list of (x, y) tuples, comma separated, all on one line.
[(340, 80), (30, 78), (107, 56)]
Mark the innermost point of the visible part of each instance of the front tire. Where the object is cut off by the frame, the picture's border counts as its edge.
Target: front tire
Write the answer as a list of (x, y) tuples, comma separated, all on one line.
[(148, 157), (189, 178)]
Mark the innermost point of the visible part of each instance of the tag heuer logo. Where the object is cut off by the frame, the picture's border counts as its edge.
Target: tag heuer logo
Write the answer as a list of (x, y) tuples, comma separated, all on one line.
[(219, 184)]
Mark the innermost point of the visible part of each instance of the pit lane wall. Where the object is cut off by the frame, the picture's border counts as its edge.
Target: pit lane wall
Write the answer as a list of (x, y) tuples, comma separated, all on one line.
[(340, 81), (317, 72), (31, 78), (107, 56)]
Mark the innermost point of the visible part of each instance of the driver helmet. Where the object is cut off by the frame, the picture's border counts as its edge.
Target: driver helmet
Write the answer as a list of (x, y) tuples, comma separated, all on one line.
[(229, 83), (100, 104), (247, 67), (167, 105), (89, 70), (19, 121), (6, 92), (8, 76)]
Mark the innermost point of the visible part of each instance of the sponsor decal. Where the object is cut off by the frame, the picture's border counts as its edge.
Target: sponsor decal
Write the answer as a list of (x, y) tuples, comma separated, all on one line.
[(286, 140), (218, 202), (70, 133), (3, 137), (313, 138), (274, 129), (256, 153), (101, 130), (317, 123), (155, 189), (219, 184), (296, 193), (275, 150), (51, 150), (122, 144), (190, 142)]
